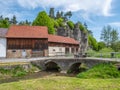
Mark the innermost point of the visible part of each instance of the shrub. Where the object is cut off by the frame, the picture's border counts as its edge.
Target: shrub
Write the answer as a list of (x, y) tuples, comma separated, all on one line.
[(91, 53), (106, 50), (104, 70)]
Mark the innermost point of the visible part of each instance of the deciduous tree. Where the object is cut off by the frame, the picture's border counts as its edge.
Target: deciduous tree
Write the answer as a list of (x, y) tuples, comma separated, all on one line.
[(44, 20)]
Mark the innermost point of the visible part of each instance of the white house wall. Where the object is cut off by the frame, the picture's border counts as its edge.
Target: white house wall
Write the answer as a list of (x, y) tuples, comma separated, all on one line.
[(2, 47), (53, 51)]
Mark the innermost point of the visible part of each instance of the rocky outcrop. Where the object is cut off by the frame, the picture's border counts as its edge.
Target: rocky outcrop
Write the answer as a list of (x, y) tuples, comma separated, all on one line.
[(77, 34)]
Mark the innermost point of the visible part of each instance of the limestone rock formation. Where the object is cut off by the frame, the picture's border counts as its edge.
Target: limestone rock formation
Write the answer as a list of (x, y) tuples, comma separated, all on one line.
[(77, 34)]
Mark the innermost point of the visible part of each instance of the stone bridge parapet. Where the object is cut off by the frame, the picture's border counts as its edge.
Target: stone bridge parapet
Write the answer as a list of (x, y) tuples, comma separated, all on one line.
[(66, 64)]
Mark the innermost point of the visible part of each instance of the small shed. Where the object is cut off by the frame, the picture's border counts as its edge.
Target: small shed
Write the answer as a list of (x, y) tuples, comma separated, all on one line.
[(3, 32)]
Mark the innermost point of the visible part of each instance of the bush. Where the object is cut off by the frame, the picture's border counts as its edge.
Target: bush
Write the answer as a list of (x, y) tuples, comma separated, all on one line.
[(19, 73), (104, 50), (91, 53), (104, 70)]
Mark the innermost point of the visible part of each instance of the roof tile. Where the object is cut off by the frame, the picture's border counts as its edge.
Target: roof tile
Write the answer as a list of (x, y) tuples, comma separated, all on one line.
[(3, 32), (61, 39), (27, 32)]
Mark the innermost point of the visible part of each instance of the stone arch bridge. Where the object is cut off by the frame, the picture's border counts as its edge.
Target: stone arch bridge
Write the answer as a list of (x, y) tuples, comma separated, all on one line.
[(68, 63)]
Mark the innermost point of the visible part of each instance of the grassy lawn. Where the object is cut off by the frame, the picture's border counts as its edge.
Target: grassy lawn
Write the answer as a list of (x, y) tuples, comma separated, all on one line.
[(62, 83)]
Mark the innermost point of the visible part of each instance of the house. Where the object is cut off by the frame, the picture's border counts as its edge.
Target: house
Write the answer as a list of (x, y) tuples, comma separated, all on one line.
[(34, 41), (59, 45), (3, 32), (27, 41)]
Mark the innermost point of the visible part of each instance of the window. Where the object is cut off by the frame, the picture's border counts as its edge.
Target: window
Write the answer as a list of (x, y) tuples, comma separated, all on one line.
[(53, 49), (60, 49)]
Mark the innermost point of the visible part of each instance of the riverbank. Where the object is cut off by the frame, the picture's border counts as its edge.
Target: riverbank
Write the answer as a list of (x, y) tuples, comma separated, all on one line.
[(53, 82)]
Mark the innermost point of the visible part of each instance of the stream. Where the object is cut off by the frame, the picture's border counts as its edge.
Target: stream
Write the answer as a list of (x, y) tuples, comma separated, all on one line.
[(35, 75)]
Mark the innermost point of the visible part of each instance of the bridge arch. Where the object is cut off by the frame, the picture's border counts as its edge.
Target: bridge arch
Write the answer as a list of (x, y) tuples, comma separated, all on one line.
[(52, 66), (77, 67)]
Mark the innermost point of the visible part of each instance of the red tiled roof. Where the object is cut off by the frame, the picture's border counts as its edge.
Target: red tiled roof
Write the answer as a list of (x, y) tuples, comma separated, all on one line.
[(3, 32), (61, 39), (27, 32)]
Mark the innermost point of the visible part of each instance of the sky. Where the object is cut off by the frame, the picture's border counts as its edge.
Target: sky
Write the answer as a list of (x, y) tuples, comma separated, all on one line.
[(96, 13)]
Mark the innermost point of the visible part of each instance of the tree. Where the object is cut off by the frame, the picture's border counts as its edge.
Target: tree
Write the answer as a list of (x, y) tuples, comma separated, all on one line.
[(109, 35), (114, 36), (1, 17), (60, 21), (92, 42), (43, 19), (13, 20), (116, 46), (85, 25), (81, 27), (67, 15), (70, 24), (26, 22), (101, 45), (4, 22), (90, 32), (58, 15)]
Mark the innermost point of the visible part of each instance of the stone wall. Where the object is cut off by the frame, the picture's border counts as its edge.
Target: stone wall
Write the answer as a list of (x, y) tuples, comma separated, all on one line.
[(53, 51), (19, 53)]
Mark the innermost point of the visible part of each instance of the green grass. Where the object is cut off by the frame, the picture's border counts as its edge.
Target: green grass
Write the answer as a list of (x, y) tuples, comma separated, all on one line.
[(104, 70), (16, 71), (62, 83), (103, 53)]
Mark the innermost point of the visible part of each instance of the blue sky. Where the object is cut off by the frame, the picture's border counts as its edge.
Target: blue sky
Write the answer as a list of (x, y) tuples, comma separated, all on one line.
[(96, 13)]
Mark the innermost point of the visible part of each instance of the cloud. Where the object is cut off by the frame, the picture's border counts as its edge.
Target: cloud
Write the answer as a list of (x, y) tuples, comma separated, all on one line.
[(107, 8), (115, 24), (98, 7), (84, 8)]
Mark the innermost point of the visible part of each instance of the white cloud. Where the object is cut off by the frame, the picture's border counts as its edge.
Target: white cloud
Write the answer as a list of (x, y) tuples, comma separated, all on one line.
[(115, 24), (98, 7), (84, 8)]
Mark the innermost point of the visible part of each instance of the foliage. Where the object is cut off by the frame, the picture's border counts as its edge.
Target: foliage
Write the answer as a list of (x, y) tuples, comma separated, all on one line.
[(109, 35), (60, 21), (56, 25), (92, 42), (116, 46), (90, 32), (4, 22), (81, 27), (70, 24), (104, 70), (15, 72), (103, 53), (91, 53), (104, 50), (13, 20), (44, 20), (67, 15), (101, 45), (59, 15), (26, 22)]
